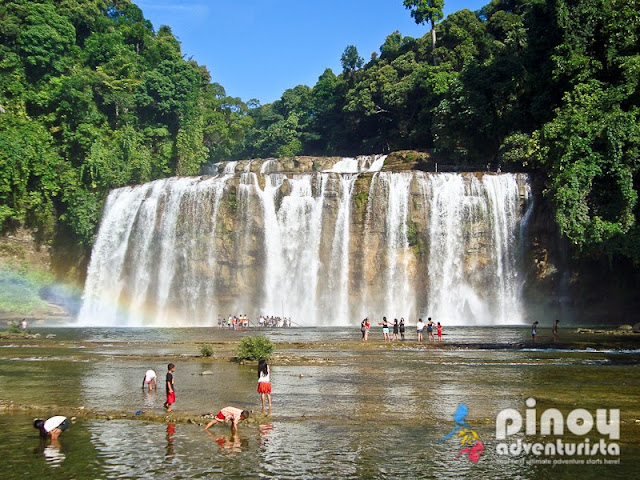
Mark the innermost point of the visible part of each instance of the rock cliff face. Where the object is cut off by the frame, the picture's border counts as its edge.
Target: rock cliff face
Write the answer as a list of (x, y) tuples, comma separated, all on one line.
[(326, 241)]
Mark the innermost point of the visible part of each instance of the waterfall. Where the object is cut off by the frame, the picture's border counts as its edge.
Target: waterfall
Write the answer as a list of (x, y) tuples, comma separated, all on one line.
[(230, 167), (144, 269), (338, 277), (365, 163), (324, 248), (399, 297), (471, 282)]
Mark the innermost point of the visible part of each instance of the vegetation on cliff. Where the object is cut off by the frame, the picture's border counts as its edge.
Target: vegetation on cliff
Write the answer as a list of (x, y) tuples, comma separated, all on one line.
[(94, 98)]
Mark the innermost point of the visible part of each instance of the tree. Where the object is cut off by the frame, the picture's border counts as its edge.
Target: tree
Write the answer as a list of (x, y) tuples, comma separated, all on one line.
[(350, 60), (427, 11), (592, 151)]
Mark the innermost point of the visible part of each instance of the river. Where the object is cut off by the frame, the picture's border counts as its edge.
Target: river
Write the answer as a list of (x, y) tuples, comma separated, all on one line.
[(341, 408)]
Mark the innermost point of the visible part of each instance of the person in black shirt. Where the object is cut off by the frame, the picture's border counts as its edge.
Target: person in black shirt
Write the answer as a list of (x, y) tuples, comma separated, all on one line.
[(171, 393)]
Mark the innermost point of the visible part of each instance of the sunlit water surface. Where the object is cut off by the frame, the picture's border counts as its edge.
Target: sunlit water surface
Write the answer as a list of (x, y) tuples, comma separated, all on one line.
[(377, 412)]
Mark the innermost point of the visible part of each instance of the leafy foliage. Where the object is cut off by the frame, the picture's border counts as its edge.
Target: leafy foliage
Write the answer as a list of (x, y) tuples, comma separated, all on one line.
[(255, 347), (94, 98), (206, 350)]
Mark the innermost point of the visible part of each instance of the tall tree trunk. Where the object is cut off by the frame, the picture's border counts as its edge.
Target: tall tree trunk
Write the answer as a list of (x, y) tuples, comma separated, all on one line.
[(433, 42)]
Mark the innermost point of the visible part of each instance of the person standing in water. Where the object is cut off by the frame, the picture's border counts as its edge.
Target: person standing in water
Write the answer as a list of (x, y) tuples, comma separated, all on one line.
[(430, 330), (534, 331), (439, 329), (554, 330), (402, 328), (171, 393), (396, 328), (385, 329), (264, 382), (419, 329), (364, 327)]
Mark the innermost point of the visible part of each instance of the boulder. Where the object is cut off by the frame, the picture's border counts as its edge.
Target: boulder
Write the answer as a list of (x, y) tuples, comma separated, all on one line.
[(636, 328), (627, 328)]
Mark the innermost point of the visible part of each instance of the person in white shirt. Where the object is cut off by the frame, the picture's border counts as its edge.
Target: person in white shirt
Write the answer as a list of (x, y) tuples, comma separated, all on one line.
[(264, 381), (52, 427), (420, 328), (150, 379)]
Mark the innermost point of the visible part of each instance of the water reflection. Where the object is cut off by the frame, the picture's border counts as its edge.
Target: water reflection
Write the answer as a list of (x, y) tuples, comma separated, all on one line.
[(170, 451), (52, 451), (150, 399), (375, 413), (265, 433), (229, 445)]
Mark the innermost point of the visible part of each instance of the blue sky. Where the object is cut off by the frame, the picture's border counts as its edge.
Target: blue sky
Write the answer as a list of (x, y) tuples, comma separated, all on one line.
[(260, 48)]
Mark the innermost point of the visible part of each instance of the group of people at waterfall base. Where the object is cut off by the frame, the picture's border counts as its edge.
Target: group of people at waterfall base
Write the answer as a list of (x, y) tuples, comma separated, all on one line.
[(243, 322), (398, 328)]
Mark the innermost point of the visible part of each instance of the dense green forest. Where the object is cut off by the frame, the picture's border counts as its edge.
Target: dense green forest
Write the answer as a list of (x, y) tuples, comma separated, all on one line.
[(92, 98)]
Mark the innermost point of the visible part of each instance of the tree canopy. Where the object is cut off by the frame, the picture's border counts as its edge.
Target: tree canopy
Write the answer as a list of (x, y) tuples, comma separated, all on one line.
[(92, 98)]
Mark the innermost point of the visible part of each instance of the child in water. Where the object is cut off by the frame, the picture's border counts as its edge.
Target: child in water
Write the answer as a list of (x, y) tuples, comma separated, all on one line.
[(171, 393), (150, 380), (233, 414), (52, 427), (439, 330), (264, 382)]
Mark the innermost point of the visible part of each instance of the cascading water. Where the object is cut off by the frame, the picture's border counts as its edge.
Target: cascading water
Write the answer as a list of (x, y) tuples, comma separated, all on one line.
[(324, 248), (397, 186), (337, 303)]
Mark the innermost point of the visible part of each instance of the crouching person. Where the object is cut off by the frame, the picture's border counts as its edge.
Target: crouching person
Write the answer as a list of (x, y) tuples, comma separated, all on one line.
[(52, 427), (232, 414)]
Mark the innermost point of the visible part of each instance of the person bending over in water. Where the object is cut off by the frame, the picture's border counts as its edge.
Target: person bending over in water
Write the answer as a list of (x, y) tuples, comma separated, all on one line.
[(52, 427), (233, 414), (151, 380)]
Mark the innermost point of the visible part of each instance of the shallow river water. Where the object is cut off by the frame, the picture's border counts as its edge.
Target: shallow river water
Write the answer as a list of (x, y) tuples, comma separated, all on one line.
[(340, 409)]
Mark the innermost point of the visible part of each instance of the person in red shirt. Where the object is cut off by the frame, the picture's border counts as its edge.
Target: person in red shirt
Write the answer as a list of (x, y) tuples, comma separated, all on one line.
[(439, 330)]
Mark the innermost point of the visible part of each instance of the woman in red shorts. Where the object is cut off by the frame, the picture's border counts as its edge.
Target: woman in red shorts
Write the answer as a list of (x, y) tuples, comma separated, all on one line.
[(264, 382)]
